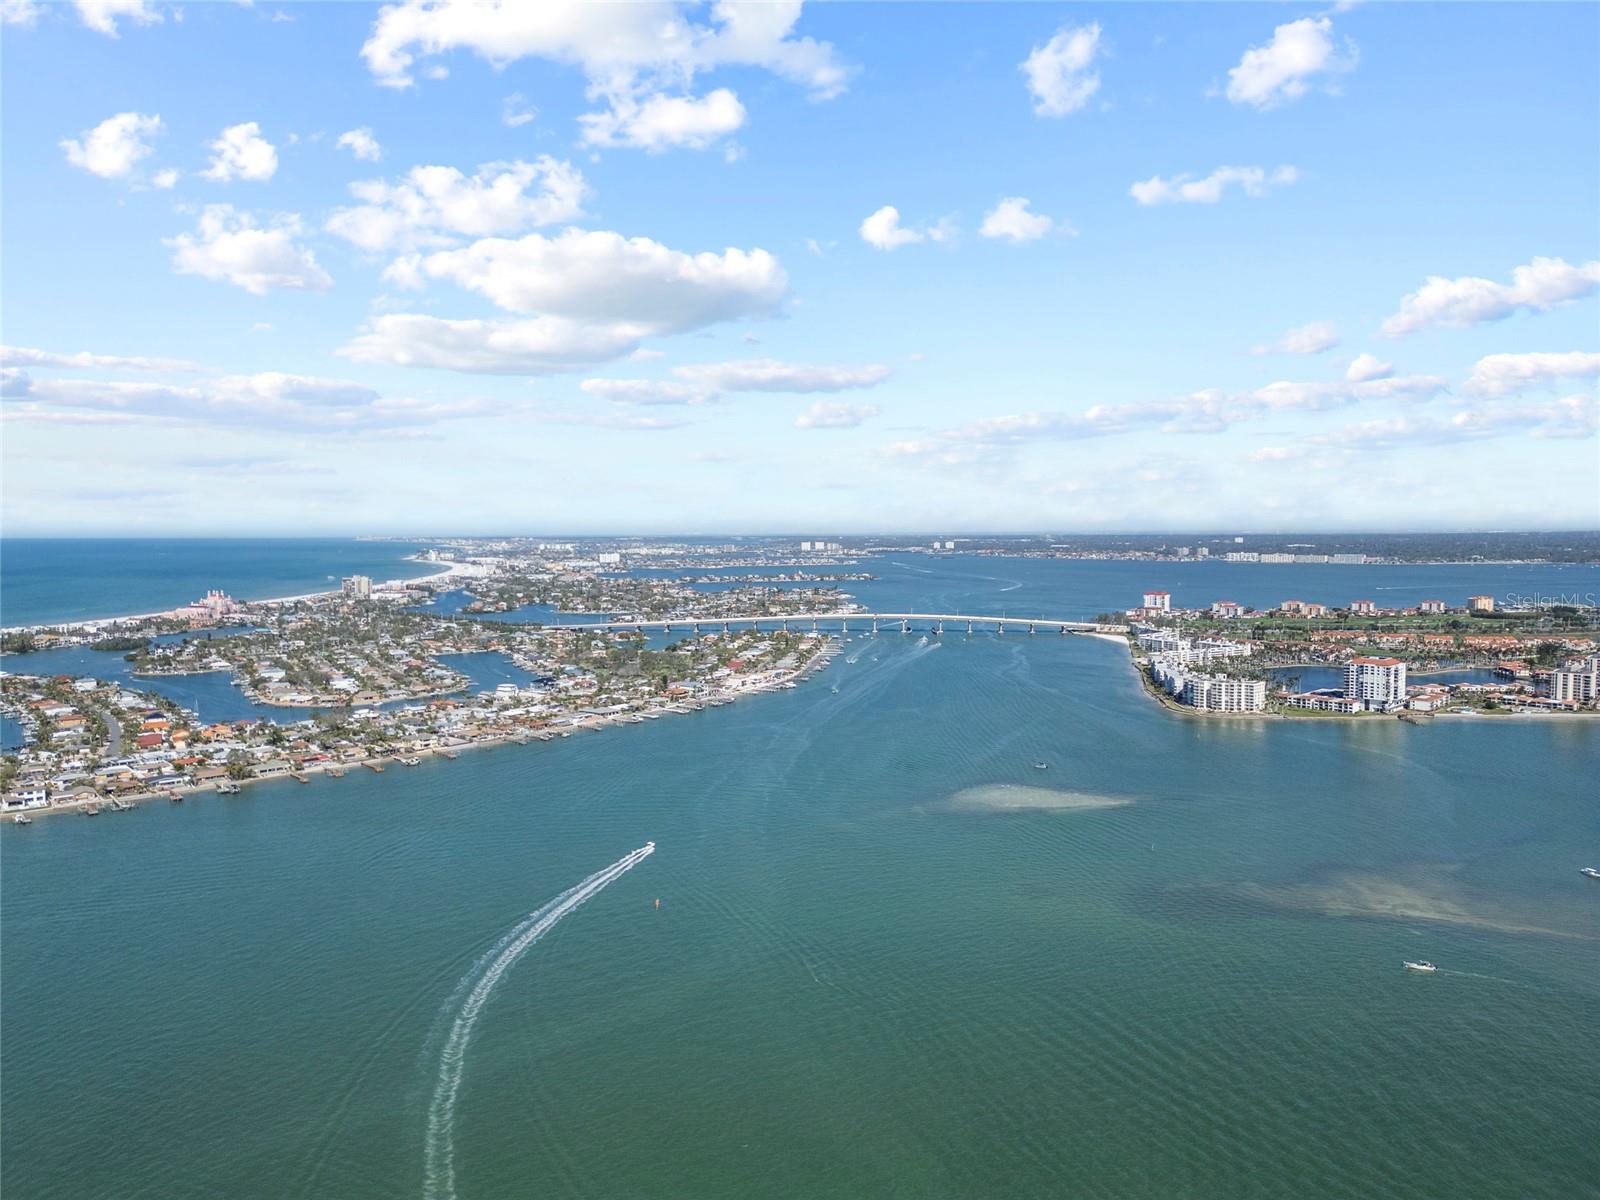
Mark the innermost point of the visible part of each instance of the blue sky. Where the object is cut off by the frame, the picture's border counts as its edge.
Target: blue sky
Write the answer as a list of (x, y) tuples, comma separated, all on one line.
[(443, 267)]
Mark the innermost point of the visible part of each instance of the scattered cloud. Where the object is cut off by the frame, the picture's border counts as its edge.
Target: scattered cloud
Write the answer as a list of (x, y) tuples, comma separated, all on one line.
[(540, 346), (1185, 189), (240, 152), (1304, 339), (516, 112), (269, 399), (1570, 417), (659, 122), (361, 143), (1300, 53), (1365, 367), (987, 441), (25, 356), (102, 15), (1541, 285), (1503, 374), (1010, 219), (647, 391), (23, 14), (640, 59), (232, 247), (436, 206), (1059, 72), (770, 375), (114, 148), (832, 414), (600, 276), (884, 231)]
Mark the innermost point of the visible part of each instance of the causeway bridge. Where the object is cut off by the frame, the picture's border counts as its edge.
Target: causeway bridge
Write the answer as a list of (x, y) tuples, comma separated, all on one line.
[(861, 622)]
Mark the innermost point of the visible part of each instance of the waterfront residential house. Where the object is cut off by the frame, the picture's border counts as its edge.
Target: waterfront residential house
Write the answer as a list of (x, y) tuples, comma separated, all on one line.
[(1227, 609)]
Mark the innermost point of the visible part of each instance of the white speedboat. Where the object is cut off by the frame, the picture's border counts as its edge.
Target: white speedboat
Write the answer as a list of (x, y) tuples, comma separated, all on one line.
[(22, 819), (1591, 872), (1427, 968), (1041, 766)]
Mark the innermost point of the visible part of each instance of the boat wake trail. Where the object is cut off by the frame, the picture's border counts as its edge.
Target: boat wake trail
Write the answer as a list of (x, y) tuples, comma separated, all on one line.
[(439, 1171)]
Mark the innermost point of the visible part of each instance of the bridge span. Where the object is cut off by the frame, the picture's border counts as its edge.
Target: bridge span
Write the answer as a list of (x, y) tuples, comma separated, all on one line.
[(862, 622)]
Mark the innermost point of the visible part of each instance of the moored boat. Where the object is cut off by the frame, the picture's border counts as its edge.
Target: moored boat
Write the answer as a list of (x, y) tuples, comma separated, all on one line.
[(22, 819)]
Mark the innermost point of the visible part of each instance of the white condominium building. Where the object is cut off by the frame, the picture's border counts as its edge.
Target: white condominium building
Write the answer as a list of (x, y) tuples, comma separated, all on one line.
[(1376, 683), (1581, 685)]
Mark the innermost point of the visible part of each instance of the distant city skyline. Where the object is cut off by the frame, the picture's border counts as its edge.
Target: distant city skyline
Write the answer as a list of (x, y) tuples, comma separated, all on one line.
[(440, 269)]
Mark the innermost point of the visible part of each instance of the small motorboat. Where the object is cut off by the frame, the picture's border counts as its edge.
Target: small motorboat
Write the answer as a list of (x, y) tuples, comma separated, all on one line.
[(1591, 872), (1426, 967), (1041, 766), (22, 819)]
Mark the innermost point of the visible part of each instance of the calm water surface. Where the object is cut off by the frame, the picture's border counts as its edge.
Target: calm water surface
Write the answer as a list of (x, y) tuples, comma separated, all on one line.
[(1168, 965)]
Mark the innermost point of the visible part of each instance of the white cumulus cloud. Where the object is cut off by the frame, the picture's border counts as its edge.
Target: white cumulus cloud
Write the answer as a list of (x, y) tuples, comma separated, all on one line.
[(361, 143), (114, 148), (1185, 189), (1010, 219), (539, 346), (1365, 367), (1501, 374), (240, 152), (661, 122), (640, 58), (1059, 72), (232, 247), (884, 231), (433, 205), (603, 276), (102, 15), (1284, 69), (1539, 286)]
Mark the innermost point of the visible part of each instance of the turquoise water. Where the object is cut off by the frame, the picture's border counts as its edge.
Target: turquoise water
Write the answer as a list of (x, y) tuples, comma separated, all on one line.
[(62, 579), (872, 973), (864, 979)]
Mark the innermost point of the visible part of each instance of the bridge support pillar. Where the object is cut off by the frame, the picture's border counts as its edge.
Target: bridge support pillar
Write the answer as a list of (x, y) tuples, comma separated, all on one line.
[(905, 626), (969, 628), (939, 629), (874, 626), (999, 629), (697, 629), (1030, 628)]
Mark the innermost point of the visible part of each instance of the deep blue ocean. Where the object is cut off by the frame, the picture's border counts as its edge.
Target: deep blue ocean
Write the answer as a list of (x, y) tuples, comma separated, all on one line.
[(63, 579)]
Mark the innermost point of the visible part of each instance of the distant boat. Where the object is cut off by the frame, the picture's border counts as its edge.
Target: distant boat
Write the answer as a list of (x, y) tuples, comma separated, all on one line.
[(410, 762), (1427, 968), (1041, 766), (227, 789), (1591, 872), (22, 819)]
